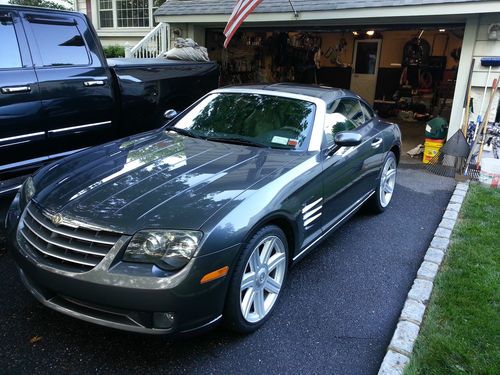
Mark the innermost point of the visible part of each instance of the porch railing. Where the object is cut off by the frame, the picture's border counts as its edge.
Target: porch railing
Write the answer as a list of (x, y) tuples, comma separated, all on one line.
[(154, 44)]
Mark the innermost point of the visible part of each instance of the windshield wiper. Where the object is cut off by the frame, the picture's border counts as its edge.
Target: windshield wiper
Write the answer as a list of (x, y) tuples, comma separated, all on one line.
[(186, 132), (237, 141)]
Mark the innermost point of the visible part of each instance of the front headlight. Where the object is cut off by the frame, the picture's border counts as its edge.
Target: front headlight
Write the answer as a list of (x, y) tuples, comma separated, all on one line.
[(27, 191), (168, 249)]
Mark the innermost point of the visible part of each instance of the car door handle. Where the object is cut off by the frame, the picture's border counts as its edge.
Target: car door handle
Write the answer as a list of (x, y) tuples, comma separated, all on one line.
[(377, 142), (15, 89), (93, 83)]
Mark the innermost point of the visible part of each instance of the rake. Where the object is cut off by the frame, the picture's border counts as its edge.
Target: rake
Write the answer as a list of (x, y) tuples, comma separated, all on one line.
[(450, 159)]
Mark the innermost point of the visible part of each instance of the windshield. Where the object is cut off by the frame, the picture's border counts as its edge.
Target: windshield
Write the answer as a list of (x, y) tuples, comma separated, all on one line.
[(251, 119)]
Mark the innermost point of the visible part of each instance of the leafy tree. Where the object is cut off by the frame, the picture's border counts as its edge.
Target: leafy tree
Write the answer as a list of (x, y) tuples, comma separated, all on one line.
[(59, 4)]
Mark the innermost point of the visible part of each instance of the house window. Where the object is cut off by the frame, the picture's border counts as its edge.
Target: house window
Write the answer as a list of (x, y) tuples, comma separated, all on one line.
[(132, 13), (105, 13), (125, 13)]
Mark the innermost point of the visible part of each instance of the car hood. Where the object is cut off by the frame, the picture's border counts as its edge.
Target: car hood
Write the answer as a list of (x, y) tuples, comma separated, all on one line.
[(155, 180)]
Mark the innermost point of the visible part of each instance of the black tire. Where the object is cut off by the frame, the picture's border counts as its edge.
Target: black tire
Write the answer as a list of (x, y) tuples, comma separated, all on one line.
[(233, 316), (375, 204)]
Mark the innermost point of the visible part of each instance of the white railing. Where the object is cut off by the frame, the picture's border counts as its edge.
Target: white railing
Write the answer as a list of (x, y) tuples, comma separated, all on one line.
[(154, 44)]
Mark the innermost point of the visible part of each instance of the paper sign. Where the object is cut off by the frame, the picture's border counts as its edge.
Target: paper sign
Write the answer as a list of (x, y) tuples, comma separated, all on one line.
[(280, 140)]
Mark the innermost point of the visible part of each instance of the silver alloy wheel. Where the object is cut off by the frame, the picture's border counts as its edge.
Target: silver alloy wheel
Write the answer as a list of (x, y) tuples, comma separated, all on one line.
[(387, 181), (262, 279)]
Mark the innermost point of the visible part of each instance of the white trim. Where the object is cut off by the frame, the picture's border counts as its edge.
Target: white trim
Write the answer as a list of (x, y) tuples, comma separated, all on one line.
[(311, 205), (115, 15), (310, 220), (119, 31), (21, 136), (79, 127), (307, 215), (468, 44)]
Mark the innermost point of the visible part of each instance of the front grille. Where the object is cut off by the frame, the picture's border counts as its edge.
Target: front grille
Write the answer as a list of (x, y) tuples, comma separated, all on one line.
[(61, 246)]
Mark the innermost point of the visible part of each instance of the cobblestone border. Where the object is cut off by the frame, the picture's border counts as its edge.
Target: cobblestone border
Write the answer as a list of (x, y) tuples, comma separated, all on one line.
[(401, 345)]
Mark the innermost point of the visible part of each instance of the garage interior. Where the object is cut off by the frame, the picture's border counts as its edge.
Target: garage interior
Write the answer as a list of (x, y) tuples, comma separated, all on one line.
[(407, 72)]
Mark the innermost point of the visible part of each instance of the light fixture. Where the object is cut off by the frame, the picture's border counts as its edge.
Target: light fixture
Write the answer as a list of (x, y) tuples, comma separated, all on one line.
[(370, 32), (355, 33), (494, 31), (442, 30)]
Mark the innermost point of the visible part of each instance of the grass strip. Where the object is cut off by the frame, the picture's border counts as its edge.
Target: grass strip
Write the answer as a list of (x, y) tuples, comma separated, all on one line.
[(461, 330)]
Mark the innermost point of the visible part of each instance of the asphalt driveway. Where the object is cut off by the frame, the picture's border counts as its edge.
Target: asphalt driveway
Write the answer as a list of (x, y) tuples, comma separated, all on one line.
[(337, 314)]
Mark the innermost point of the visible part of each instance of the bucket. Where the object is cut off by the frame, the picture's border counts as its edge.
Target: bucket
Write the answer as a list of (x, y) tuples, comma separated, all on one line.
[(431, 148), (490, 172)]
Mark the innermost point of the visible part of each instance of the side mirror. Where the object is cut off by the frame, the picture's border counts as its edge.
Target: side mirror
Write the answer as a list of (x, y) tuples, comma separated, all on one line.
[(347, 139), (170, 114)]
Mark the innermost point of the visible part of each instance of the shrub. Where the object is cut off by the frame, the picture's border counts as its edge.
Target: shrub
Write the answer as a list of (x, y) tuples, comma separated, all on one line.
[(114, 51)]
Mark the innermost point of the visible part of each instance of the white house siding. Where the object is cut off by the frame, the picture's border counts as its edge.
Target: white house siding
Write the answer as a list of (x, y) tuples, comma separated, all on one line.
[(81, 6), (485, 48)]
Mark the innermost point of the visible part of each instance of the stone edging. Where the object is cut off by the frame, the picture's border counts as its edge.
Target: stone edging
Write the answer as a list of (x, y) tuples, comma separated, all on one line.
[(401, 345)]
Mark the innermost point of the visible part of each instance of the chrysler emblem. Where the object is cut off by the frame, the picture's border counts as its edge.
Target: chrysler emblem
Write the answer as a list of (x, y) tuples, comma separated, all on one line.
[(57, 219)]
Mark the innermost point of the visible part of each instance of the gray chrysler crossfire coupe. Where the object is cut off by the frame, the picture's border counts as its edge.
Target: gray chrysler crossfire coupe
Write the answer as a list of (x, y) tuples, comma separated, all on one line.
[(172, 230)]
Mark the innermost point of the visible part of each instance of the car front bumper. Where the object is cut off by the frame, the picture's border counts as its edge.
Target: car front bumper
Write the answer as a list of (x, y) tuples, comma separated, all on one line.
[(111, 296)]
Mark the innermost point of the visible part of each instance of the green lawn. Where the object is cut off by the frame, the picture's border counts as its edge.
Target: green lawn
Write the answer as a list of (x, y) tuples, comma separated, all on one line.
[(461, 329)]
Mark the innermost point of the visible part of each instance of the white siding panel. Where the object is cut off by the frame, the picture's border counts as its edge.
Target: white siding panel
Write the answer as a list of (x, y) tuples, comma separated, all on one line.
[(81, 6), (484, 48), (479, 78), (487, 48)]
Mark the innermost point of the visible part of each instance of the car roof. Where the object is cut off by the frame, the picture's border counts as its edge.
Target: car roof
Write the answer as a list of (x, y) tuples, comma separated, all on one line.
[(325, 93)]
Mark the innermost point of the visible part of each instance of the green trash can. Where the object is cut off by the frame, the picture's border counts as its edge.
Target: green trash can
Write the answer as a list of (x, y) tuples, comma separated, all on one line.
[(437, 128)]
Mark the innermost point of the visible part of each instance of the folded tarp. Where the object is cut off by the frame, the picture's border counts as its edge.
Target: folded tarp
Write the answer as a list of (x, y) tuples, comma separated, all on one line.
[(187, 50)]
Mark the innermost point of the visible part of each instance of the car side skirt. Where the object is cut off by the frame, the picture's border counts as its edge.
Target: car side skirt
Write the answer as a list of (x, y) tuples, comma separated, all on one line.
[(343, 217)]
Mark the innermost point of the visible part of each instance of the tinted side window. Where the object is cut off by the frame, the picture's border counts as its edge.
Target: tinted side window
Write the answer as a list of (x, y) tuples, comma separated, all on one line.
[(367, 111), (351, 109), (9, 49), (334, 123), (60, 44)]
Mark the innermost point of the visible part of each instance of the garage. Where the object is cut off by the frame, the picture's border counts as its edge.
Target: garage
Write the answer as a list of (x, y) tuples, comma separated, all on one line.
[(408, 73), (411, 60)]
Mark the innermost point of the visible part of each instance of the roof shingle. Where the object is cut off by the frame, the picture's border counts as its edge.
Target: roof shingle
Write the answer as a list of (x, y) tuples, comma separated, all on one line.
[(192, 7)]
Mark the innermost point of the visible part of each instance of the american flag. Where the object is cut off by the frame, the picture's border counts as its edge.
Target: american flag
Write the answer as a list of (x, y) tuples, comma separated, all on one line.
[(240, 12)]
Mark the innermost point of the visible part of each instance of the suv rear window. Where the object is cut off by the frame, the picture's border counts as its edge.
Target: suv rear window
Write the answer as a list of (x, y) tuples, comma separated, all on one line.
[(9, 49), (60, 45)]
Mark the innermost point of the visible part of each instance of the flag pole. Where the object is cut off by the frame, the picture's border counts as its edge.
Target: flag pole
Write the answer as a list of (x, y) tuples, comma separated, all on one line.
[(295, 13)]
